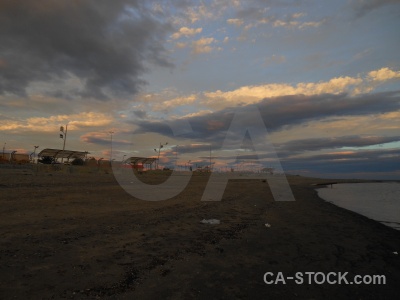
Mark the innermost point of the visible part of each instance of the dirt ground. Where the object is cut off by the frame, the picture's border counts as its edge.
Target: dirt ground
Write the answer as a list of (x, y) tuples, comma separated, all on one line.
[(81, 236)]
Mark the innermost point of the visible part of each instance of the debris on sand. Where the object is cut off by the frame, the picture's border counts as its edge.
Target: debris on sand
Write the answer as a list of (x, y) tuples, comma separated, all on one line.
[(210, 221), (267, 225)]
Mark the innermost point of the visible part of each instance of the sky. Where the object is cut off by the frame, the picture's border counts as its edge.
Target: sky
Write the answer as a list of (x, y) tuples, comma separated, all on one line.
[(323, 76)]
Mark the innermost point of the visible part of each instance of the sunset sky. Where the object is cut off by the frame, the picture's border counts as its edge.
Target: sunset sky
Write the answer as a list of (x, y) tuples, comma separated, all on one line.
[(324, 76)]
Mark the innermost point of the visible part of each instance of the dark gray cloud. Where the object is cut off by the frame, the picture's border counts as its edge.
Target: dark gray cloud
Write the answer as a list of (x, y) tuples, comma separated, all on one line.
[(141, 114), (103, 141), (106, 44), (381, 160), (293, 110), (191, 148), (262, 10), (316, 144), (284, 112), (363, 7), (343, 163), (279, 113), (251, 13), (282, 3), (205, 129)]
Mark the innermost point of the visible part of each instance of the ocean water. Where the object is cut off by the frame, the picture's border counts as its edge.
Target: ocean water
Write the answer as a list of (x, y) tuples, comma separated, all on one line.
[(377, 201)]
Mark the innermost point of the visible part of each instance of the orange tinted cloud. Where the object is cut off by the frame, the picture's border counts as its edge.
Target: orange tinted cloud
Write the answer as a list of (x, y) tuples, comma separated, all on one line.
[(48, 124)]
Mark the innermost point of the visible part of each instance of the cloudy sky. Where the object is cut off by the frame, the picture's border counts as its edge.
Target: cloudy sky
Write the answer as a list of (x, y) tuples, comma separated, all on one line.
[(323, 76)]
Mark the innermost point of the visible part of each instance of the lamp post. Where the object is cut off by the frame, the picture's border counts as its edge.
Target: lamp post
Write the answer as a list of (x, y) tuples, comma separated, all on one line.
[(12, 156), (176, 157), (123, 158), (159, 150), (4, 148), (111, 134), (63, 136), (210, 160), (34, 152)]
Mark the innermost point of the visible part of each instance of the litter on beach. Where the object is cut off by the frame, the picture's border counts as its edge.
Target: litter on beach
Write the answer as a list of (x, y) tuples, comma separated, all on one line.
[(210, 221), (267, 225)]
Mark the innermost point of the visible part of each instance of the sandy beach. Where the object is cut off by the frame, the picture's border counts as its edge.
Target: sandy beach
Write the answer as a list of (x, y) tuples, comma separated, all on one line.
[(81, 236)]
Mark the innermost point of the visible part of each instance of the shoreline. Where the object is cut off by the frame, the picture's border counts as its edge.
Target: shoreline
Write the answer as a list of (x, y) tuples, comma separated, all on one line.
[(372, 204), (81, 236)]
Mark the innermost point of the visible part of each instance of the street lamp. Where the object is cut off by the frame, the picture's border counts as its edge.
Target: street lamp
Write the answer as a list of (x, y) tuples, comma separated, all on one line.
[(176, 157), (12, 156), (4, 148), (159, 150), (34, 152), (63, 136), (111, 134)]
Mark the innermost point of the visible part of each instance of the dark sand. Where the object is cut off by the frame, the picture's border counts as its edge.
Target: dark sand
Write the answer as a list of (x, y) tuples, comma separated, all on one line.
[(81, 236)]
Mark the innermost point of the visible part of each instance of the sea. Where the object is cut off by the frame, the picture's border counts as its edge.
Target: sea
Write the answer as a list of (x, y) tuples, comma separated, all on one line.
[(379, 201)]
